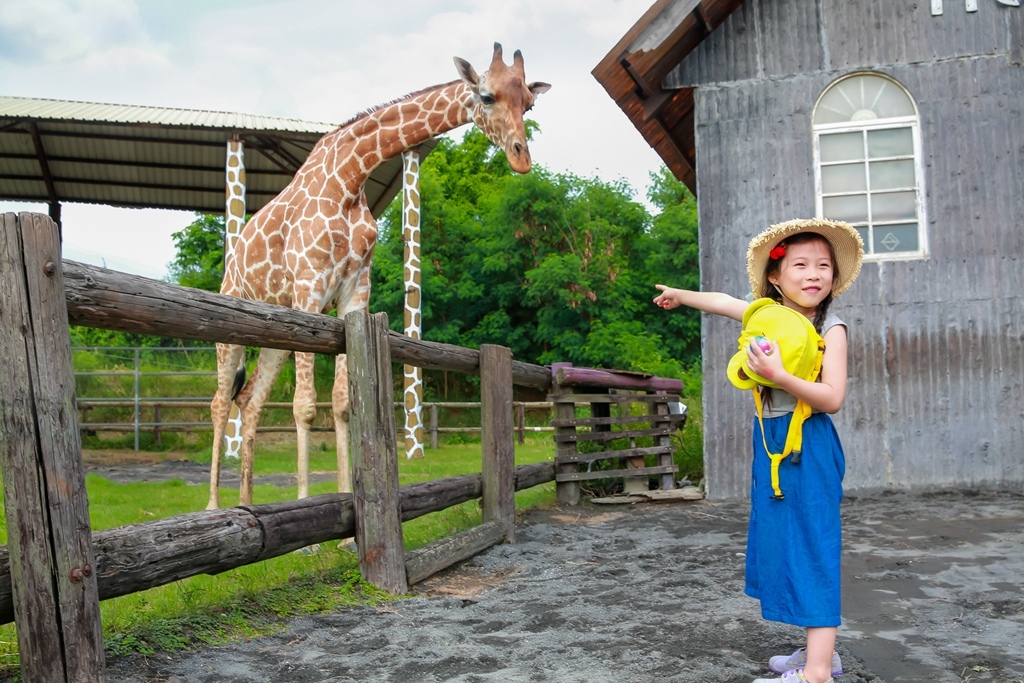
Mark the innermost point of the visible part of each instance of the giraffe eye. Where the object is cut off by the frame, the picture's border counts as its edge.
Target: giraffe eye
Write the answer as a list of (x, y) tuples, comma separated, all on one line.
[(487, 99)]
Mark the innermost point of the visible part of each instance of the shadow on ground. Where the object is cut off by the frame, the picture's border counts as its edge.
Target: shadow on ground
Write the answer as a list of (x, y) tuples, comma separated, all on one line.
[(653, 592)]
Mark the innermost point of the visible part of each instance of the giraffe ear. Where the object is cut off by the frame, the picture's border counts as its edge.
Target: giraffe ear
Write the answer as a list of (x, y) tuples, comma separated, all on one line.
[(467, 72), (537, 87)]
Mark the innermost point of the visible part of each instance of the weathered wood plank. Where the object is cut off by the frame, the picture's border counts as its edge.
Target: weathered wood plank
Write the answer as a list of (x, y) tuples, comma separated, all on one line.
[(567, 491), (56, 601), (612, 398), (138, 557), (658, 413), (374, 453), (107, 299), (426, 561), (607, 455), (528, 476), (293, 524), (568, 376), (497, 438), (611, 436), (623, 419), (611, 474)]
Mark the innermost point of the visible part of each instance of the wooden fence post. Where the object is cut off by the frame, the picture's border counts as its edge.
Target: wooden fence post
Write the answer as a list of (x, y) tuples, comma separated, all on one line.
[(521, 422), (497, 438), (567, 492), (433, 426), (56, 600), (374, 448)]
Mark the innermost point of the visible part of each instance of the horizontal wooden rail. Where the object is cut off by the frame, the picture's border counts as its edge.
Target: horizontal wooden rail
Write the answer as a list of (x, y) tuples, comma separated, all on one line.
[(424, 562), (568, 376), (137, 557), (606, 455), (613, 435), (614, 398), (612, 474), (110, 300), (625, 419)]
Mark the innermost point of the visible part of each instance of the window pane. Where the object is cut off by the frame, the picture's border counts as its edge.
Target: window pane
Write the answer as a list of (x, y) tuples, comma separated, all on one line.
[(841, 147), (891, 142), (891, 175), (893, 206), (843, 178), (863, 97), (895, 238), (849, 209), (864, 235)]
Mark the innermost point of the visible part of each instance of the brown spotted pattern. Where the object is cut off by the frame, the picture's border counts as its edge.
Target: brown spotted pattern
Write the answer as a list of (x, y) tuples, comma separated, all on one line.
[(310, 248)]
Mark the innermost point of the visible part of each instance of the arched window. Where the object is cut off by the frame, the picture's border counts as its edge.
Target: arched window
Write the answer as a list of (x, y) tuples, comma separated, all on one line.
[(867, 164)]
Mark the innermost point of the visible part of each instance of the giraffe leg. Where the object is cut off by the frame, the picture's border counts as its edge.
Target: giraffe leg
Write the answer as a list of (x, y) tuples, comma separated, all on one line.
[(304, 412), (339, 402), (251, 400), (229, 357)]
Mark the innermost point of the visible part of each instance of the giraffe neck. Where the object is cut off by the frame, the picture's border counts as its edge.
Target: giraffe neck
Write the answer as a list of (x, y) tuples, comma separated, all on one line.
[(368, 141)]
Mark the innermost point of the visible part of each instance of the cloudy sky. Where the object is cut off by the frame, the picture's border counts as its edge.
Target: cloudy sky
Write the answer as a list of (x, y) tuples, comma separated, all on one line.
[(318, 60)]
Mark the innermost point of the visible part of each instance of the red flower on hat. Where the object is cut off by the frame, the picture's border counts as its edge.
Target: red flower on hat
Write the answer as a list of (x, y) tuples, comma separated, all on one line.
[(778, 252)]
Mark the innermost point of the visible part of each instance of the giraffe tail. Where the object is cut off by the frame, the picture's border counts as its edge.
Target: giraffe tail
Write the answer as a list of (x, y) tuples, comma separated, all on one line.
[(239, 382), (233, 429)]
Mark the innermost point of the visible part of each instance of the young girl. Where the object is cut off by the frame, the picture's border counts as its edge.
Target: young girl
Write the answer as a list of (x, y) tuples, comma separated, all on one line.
[(794, 544)]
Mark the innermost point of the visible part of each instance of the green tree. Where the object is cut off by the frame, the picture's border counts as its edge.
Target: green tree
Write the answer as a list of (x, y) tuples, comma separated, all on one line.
[(199, 261), (669, 255)]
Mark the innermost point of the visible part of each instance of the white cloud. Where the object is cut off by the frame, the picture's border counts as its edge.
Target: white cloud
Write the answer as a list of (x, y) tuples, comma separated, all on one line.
[(323, 60)]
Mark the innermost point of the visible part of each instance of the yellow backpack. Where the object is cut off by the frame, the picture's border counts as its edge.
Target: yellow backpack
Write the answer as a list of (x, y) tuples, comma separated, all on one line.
[(802, 351)]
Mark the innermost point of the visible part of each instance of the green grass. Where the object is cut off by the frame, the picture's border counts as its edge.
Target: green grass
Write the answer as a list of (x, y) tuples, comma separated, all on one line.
[(257, 599)]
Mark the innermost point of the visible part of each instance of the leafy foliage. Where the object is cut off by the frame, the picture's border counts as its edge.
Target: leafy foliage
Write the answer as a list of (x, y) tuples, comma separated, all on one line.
[(199, 262), (555, 266)]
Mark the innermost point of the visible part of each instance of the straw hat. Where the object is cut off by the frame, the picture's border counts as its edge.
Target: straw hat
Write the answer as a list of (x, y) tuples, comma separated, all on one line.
[(845, 240)]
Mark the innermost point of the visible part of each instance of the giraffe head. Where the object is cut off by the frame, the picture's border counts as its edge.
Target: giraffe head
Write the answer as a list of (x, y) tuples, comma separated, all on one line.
[(501, 98)]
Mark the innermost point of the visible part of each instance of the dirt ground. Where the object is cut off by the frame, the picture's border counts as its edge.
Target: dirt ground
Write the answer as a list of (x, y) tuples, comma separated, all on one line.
[(654, 592)]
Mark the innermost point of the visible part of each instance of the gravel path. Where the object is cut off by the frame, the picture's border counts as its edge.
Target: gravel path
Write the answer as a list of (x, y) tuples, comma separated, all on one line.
[(653, 592)]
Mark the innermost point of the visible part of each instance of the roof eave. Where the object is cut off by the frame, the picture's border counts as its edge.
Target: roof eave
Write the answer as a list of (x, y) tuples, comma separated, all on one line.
[(633, 71)]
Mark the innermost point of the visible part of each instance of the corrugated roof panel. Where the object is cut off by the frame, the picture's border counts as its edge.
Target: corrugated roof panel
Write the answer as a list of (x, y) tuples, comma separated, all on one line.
[(57, 110), (125, 155)]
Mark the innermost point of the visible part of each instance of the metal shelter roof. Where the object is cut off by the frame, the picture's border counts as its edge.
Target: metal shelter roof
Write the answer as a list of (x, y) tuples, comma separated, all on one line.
[(634, 71), (57, 151)]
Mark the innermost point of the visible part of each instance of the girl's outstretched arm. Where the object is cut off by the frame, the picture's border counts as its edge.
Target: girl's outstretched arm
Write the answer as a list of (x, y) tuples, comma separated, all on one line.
[(709, 302)]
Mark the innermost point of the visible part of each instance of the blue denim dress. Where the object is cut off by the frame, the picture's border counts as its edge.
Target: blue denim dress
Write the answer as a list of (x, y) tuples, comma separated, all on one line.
[(794, 545)]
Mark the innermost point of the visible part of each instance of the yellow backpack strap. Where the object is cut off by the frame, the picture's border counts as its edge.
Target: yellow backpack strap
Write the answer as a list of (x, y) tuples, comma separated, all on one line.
[(795, 435), (776, 458)]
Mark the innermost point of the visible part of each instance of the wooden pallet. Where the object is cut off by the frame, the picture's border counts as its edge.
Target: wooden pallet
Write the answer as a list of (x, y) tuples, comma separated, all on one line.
[(658, 422)]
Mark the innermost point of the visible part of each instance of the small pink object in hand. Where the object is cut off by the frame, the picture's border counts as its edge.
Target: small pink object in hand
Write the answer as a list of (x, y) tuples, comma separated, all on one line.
[(762, 342)]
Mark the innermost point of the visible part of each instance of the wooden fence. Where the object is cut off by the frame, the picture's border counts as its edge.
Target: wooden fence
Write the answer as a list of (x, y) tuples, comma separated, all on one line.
[(54, 571), (159, 424)]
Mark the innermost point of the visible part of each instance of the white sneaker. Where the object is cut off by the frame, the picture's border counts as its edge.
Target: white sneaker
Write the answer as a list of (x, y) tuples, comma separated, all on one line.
[(791, 676), (782, 663)]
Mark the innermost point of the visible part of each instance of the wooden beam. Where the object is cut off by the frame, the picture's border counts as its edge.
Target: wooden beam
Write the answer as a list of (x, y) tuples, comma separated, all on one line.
[(44, 164), (426, 561), (374, 451), (56, 600), (497, 438)]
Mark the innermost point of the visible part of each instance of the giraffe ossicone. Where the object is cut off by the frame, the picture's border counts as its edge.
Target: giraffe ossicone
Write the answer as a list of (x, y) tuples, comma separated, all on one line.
[(310, 248)]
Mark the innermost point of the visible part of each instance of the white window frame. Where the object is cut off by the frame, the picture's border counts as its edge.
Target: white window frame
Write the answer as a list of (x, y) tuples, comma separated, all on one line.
[(911, 122)]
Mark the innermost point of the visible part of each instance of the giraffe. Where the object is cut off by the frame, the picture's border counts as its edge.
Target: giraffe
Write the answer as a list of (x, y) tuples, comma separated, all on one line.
[(413, 375), (310, 247)]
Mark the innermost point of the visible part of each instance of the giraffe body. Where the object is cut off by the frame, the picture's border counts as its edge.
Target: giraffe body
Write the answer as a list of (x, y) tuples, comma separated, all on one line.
[(311, 247)]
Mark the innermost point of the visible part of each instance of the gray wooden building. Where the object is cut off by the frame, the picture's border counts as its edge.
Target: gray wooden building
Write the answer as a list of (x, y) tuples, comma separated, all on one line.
[(904, 118)]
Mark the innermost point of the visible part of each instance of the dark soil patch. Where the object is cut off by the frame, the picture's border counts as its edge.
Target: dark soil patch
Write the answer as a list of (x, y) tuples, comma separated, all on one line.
[(653, 592)]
